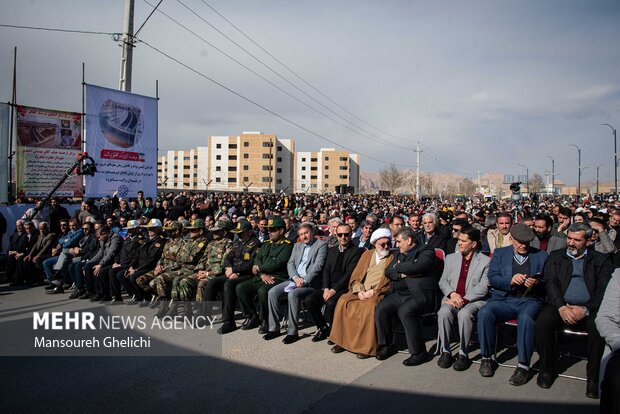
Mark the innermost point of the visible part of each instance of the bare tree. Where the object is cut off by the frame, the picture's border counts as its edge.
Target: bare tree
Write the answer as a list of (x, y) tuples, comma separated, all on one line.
[(468, 187), (536, 183), (392, 178)]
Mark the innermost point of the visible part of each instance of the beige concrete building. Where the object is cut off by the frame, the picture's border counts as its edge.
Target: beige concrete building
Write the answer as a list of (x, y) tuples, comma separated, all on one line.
[(183, 170), (326, 171)]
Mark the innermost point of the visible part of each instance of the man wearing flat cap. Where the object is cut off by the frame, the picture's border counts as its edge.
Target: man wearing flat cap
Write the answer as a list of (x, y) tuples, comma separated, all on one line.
[(269, 269), (515, 277)]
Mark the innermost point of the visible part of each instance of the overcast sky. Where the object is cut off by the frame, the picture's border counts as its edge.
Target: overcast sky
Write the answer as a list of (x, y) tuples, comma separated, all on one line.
[(483, 85)]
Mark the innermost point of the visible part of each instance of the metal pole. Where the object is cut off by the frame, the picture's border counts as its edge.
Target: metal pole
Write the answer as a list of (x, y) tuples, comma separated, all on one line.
[(552, 174), (11, 127), (613, 131), (597, 168), (578, 168), (127, 51), (417, 171)]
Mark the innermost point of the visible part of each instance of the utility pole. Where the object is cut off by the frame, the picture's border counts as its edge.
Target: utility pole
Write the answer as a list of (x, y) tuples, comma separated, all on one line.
[(418, 150), (127, 45), (597, 168), (613, 131), (479, 186), (552, 174)]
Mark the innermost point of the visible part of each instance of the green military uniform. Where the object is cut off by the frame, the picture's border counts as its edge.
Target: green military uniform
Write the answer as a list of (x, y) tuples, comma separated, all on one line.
[(271, 260), (168, 261), (212, 262), (188, 255)]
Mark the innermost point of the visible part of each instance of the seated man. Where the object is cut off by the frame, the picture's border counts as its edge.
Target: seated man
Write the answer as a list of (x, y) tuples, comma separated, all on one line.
[(465, 285), (71, 235), (515, 274), (431, 236), (608, 324), (16, 246), (237, 269), (304, 267), (270, 267), (544, 240), (576, 281), (31, 265), (110, 245), (339, 265), (85, 250), (414, 275), (354, 327)]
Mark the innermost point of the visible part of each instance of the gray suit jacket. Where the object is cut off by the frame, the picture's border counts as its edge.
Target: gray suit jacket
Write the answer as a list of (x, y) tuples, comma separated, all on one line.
[(555, 243), (316, 260), (477, 284)]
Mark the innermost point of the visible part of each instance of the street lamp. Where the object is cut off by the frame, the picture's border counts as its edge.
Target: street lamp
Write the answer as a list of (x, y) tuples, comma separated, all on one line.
[(552, 174), (613, 131), (597, 168), (527, 177), (578, 168)]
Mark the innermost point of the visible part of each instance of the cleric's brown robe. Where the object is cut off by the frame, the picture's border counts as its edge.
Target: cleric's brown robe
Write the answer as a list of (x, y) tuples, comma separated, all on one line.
[(354, 319)]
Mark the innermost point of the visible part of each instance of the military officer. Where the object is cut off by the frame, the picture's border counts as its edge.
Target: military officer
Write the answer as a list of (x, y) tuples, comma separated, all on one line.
[(237, 269), (210, 265), (188, 258), (269, 269)]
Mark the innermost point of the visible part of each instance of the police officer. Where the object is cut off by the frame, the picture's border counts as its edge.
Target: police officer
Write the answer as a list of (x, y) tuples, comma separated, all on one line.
[(269, 269), (210, 265), (189, 256), (237, 269), (144, 261)]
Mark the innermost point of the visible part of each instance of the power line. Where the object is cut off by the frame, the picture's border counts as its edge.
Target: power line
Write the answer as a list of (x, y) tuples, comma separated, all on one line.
[(282, 117), (50, 29)]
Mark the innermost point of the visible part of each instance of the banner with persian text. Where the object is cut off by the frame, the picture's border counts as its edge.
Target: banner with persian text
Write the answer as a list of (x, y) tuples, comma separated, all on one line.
[(4, 151), (48, 143), (121, 136)]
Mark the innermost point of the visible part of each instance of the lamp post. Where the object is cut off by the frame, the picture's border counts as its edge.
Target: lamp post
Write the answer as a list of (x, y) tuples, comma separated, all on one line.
[(552, 174), (527, 177), (613, 131), (578, 168), (597, 168)]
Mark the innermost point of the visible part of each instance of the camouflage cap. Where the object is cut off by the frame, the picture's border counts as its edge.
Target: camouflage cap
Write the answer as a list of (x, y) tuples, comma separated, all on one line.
[(219, 225), (175, 225), (275, 223), (242, 225), (198, 224)]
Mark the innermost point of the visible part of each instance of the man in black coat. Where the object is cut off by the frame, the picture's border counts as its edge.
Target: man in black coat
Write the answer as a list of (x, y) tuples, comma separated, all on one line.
[(339, 264), (414, 274), (576, 281)]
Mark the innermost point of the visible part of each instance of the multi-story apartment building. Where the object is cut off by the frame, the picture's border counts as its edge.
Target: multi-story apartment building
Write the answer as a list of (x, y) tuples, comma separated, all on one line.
[(183, 170), (327, 170)]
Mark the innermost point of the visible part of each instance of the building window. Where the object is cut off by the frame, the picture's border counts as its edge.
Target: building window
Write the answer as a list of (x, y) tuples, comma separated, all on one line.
[(246, 156), (267, 168), (186, 167), (279, 159), (303, 168), (185, 175), (195, 157), (246, 143), (303, 160), (176, 158), (232, 180), (313, 168), (266, 179), (185, 158), (326, 158), (232, 157), (218, 168), (267, 156), (326, 167), (279, 170), (267, 144), (303, 177), (232, 168), (313, 159), (325, 185), (326, 176), (246, 179), (218, 180), (245, 168), (232, 146), (303, 186), (343, 177), (313, 177), (218, 146), (279, 181), (279, 147), (218, 157), (344, 168), (344, 158)]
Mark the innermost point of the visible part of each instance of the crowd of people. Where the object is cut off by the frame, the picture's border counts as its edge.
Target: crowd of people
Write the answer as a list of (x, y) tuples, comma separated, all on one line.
[(362, 266)]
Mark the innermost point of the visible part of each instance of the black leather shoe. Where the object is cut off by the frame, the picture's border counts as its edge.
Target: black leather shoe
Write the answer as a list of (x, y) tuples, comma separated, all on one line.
[(50, 287), (227, 327), (96, 298), (321, 334), (519, 377), (154, 303), (144, 303), (115, 302), (336, 349), (362, 356), (58, 289), (271, 335), (445, 360), (163, 310), (416, 359), (592, 389), (106, 299), (545, 379), (264, 328), (385, 351), (252, 323), (77, 294), (86, 295), (487, 367), (289, 339), (133, 301), (330, 342), (462, 363)]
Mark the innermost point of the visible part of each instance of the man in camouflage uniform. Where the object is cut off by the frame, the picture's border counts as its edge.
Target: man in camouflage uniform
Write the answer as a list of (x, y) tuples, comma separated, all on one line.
[(167, 262), (187, 259), (237, 269), (210, 265), (269, 269)]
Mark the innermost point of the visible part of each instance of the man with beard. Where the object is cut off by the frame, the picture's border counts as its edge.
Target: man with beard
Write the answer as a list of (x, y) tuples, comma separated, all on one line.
[(576, 282), (544, 240)]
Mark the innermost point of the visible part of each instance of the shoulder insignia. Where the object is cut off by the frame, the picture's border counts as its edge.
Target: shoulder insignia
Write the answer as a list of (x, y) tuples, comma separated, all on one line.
[(201, 245), (267, 242), (158, 245), (219, 256), (246, 256)]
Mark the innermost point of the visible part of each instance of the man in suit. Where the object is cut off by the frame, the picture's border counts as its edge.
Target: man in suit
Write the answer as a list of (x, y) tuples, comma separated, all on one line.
[(414, 288), (576, 282), (464, 283), (304, 267), (544, 240), (431, 236), (452, 244), (364, 239), (339, 265), (515, 276)]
